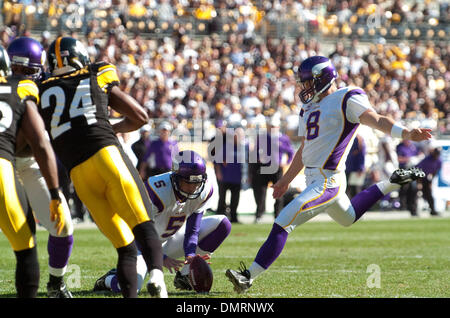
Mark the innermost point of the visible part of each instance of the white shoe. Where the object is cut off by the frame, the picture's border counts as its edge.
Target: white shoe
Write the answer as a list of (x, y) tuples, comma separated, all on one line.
[(156, 286)]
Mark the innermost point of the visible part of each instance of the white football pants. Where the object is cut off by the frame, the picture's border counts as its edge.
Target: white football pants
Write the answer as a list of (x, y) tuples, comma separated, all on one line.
[(325, 191), (39, 196)]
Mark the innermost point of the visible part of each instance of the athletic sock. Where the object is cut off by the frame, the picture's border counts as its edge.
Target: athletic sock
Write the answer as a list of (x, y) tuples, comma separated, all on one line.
[(149, 244), (59, 250), (364, 200), (126, 270), (255, 270), (272, 247), (27, 273)]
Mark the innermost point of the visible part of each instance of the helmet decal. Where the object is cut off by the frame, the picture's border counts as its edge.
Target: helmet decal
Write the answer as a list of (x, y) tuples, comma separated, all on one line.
[(320, 73), (67, 54)]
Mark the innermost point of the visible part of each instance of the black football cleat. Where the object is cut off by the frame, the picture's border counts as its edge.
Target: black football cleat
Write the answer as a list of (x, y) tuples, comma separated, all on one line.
[(240, 279), (181, 282), (58, 291), (404, 176), (100, 285)]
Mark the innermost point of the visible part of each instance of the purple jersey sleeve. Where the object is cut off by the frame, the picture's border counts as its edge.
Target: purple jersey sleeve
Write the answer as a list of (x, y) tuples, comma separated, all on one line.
[(191, 235)]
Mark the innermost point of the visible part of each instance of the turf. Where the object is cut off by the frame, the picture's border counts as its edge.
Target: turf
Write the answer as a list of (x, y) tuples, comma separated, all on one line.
[(401, 258)]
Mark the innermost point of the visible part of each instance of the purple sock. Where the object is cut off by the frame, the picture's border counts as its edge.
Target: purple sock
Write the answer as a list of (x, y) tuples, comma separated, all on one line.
[(115, 285), (365, 199), (59, 250), (272, 247), (213, 240)]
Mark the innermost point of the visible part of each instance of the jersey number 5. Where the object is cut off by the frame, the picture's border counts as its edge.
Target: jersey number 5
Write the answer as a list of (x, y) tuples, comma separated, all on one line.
[(312, 125), (174, 224), (82, 94), (6, 114)]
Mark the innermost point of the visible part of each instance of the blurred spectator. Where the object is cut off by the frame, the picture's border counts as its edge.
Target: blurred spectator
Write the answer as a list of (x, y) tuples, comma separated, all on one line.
[(228, 154), (355, 167), (431, 165), (267, 156), (408, 155), (158, 156), (140, 146)]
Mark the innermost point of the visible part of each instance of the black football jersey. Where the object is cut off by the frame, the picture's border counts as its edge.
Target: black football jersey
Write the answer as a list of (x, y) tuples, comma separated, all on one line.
[(14, 91), (74, 107)]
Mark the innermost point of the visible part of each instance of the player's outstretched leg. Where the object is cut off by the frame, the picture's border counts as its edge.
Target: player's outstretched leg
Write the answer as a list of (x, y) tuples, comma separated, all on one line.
[(364, 200), (267, 254)]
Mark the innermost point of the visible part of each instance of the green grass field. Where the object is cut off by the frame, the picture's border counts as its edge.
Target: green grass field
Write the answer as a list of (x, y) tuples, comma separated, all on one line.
[(321, 259)]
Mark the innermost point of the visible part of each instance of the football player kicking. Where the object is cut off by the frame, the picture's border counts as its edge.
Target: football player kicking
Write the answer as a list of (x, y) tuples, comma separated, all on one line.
[(74, 105), (179, 199), (18, 98), (329, 120), (27, 58)]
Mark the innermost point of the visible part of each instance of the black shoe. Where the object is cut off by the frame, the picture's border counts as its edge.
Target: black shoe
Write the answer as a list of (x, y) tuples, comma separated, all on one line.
[(405, 176), (100, 283), (240, 279), (182, 282), (434, 213), (58, 291)]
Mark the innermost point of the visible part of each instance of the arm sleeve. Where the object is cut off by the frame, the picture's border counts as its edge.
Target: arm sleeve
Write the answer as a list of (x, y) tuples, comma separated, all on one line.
[(191, 235), (356, 105)]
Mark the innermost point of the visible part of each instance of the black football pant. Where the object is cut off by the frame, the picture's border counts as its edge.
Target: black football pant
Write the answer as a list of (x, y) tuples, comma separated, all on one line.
[(235, 190), (260, 183)]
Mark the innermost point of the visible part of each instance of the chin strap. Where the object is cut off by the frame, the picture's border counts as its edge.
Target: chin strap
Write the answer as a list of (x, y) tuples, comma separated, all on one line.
[(316, 96)]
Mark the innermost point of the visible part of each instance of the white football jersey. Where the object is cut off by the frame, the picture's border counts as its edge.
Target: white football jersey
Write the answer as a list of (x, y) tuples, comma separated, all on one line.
[(330, 126), (168, 213)]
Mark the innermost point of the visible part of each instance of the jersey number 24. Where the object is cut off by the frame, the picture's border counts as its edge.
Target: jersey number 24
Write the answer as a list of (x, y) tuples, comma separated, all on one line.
[(87, 109)]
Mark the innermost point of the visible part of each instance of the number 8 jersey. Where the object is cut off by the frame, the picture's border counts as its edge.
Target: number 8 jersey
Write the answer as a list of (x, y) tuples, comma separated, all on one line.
[(74, 108), (330, 126)]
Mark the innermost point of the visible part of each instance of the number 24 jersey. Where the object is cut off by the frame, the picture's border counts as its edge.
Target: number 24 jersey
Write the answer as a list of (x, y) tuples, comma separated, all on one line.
[(74, 107)]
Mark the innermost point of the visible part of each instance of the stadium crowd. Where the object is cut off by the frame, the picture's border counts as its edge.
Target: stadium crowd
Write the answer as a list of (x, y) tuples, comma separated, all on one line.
[(241, 79)]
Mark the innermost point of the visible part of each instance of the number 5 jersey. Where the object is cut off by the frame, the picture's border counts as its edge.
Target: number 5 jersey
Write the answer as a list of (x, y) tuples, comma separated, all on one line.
[(169, 212), (74, 107)]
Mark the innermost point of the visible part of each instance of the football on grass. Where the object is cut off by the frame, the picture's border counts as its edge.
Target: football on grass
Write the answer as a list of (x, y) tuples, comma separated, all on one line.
[(200, 275)]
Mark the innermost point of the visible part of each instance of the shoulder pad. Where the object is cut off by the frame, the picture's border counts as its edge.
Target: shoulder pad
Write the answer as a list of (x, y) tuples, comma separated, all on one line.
[(28, 90)]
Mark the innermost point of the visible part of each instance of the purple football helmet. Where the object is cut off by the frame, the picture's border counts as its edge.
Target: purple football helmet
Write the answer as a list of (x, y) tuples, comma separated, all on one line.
[(29, 54), (190, 167), (321, 72)]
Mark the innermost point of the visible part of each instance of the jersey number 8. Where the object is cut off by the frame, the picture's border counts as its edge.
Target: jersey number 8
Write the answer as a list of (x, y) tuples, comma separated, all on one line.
[(87, 109)]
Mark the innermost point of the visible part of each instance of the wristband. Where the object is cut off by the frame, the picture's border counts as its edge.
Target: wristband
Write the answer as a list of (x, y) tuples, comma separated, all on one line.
[(397, 130), (54, 194)]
